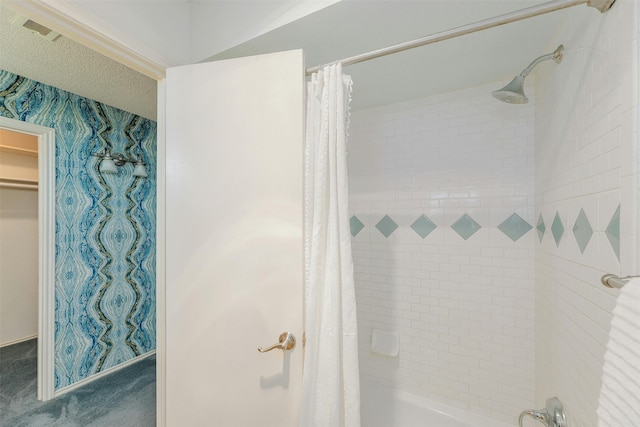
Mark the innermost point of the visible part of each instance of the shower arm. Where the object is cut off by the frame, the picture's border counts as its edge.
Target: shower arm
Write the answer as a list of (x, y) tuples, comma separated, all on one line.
[(556, 56)]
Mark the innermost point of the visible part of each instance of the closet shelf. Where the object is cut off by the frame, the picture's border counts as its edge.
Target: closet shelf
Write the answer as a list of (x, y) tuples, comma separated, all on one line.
[(18, 150)]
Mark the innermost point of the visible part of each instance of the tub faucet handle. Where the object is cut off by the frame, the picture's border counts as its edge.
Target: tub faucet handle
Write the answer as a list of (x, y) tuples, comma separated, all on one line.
[(551, 416)]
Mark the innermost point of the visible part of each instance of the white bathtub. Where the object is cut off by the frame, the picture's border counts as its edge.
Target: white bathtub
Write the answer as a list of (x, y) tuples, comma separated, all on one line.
[(383, 406)]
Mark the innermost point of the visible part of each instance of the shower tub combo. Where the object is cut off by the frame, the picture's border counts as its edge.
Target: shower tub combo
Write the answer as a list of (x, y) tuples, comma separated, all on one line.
[(384, 406)]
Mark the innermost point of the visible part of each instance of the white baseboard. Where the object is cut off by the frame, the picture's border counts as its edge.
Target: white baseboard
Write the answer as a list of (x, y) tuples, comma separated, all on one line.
[(94, 377), (19, 340)]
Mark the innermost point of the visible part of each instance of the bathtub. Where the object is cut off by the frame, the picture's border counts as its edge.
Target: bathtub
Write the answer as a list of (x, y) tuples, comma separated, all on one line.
[(383, 406)]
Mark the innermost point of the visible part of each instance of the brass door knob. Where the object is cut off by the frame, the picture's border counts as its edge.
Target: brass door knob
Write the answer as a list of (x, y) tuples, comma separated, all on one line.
[(286, 341)]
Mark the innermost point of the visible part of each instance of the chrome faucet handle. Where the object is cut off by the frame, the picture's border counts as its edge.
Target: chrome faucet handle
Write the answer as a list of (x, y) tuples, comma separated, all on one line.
[(551, 416), (286, 341), (538, 415)]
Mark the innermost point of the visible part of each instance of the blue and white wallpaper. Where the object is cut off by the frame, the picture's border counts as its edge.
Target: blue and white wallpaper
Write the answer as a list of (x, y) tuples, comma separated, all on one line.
[(105, 228)]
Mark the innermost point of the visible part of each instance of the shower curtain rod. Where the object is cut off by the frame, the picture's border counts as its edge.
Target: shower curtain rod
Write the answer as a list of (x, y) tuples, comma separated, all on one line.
[(518, 15)]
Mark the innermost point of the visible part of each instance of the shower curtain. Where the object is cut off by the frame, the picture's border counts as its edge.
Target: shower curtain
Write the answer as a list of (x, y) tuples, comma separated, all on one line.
[(331, 389)]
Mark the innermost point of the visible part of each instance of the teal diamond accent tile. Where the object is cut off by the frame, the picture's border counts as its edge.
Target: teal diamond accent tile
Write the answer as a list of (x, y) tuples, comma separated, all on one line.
[(465, 226), (423, 226), (541, 228), (515, 227), (356, 225), (386, 226), (582, 230), (557, 229), (613, 232)]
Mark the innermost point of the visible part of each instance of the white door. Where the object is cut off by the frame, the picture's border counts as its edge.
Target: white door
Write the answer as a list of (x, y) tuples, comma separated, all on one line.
[(234, 245)]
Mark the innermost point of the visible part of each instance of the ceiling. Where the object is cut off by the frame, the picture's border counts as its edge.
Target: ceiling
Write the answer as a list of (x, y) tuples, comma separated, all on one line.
[(72, 67), (352, 27), (335, 31)]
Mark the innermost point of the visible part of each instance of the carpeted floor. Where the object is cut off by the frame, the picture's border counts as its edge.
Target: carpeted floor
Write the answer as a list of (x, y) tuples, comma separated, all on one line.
[(125, 398)]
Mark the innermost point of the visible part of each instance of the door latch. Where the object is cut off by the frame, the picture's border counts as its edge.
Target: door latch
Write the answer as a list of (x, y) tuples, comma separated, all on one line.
[(286, 341)]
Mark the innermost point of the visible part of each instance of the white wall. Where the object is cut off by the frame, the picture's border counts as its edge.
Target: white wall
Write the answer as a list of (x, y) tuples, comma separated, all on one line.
[(586, 158), (463, 309), (18, 265), (18, 250), (218, 26)]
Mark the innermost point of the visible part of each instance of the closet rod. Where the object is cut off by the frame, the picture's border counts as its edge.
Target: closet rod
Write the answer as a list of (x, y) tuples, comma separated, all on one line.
[(518, 15), (18, 184)]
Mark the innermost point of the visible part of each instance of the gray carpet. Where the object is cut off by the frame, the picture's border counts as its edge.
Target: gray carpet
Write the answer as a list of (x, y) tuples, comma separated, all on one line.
[(125, 398)]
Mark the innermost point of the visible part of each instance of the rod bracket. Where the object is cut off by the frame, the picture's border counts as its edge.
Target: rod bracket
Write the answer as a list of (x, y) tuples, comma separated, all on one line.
[(601, 5)]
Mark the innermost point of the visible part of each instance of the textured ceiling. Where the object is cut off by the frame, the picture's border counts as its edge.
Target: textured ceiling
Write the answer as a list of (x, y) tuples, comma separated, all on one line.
[(72, 67)]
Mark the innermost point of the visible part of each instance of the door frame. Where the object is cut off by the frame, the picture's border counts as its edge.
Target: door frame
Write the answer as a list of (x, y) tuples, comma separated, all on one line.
[(83, 28), (161, 255), (46, 250), (71, 21)]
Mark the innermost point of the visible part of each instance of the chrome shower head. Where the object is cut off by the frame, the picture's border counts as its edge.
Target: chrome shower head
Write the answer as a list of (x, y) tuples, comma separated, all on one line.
[(513, 93)]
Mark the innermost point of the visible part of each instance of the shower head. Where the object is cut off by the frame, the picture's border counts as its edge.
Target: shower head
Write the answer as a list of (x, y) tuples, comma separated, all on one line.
[(513, 93)]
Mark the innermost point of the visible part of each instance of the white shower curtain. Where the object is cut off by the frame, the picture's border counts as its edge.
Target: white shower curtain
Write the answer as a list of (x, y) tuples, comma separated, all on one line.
[(331, 389)]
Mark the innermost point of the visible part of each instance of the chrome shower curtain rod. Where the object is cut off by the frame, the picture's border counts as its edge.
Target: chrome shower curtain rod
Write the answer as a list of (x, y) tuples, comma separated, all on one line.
[(518, 15)]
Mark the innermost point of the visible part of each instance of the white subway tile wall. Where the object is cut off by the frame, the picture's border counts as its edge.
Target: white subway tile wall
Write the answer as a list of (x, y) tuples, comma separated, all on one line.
[(444, 191), (460, 299), (586, 167)]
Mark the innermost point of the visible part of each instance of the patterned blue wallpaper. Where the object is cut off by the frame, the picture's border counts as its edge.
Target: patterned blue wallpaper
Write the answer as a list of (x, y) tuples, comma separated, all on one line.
[(105, 228)]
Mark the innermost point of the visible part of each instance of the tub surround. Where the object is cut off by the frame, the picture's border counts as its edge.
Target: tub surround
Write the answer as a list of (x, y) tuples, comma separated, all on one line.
[(441, 195), (586, 193), (480, 228)]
